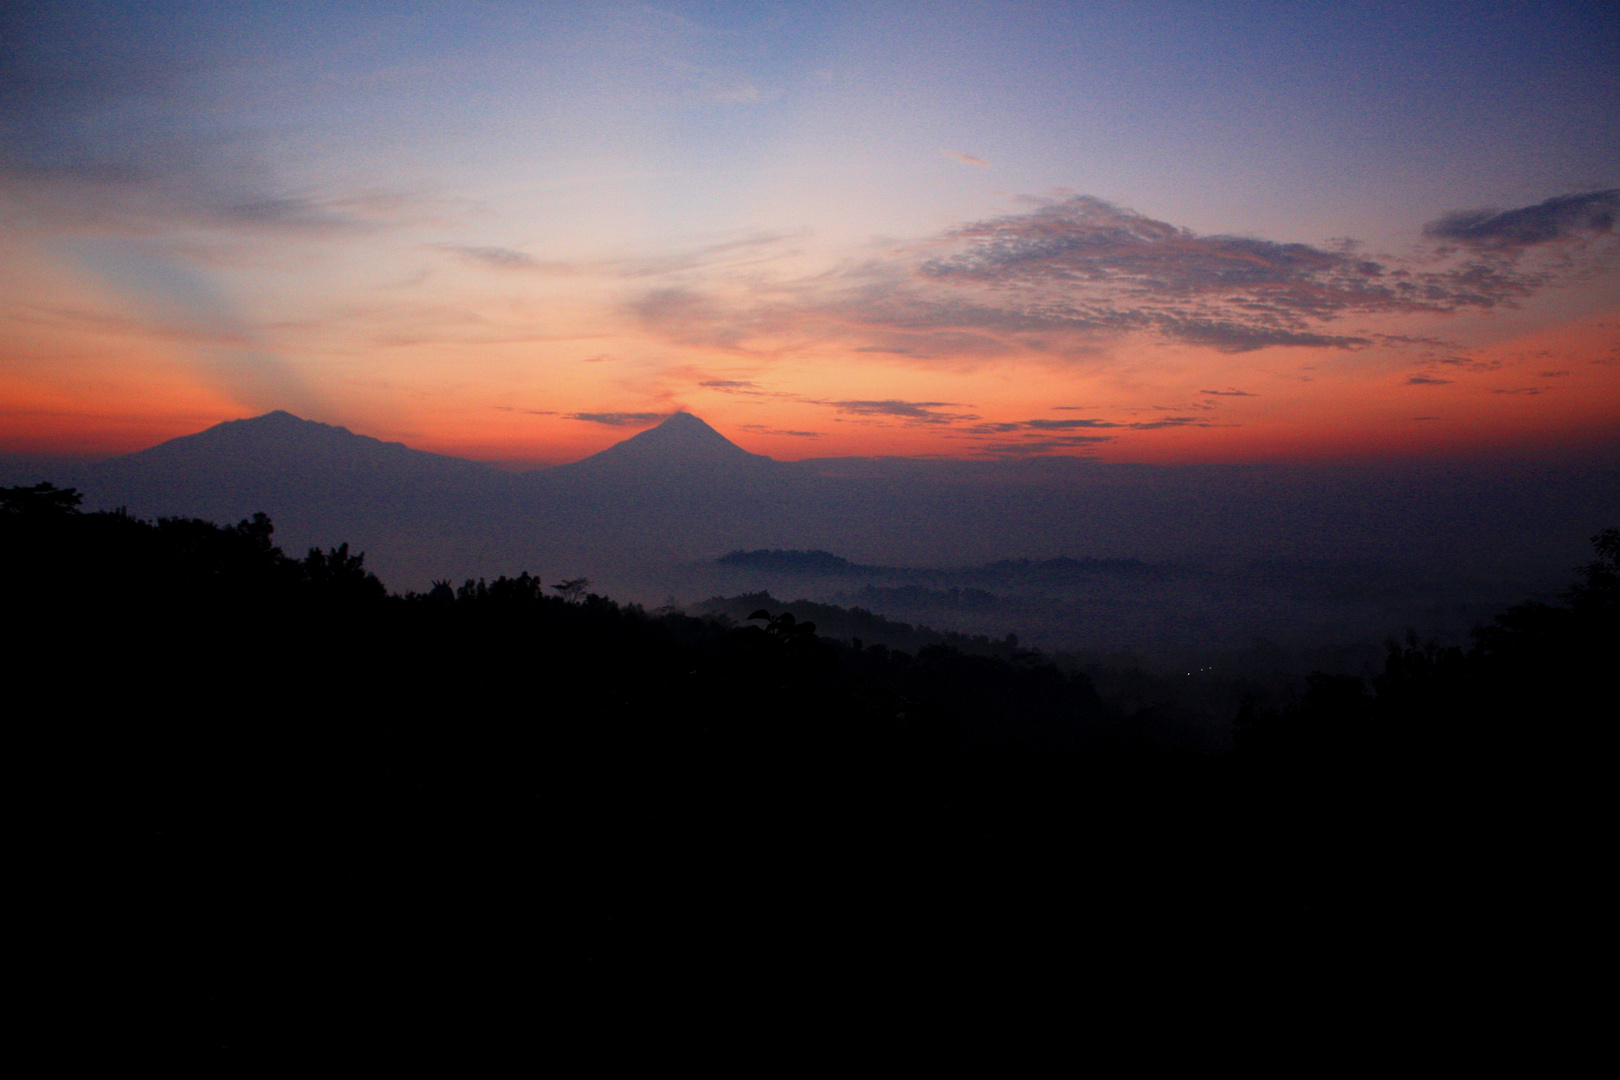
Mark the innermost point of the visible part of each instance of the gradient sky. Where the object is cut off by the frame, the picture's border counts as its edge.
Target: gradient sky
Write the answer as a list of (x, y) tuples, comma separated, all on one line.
[(520, 232)]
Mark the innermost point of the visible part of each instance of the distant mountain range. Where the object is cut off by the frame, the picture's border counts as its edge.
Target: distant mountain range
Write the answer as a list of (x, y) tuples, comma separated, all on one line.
[(683, 492)]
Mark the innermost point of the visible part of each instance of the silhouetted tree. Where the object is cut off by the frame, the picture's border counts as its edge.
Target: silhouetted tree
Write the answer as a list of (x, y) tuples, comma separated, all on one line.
[(573, 589), (784, 627), (39, 500)]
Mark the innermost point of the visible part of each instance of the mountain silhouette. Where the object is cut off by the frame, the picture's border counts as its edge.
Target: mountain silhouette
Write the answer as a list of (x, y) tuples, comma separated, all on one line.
[(421, 513), (682, 441), (680, 487), (279, 440), (683, 491)]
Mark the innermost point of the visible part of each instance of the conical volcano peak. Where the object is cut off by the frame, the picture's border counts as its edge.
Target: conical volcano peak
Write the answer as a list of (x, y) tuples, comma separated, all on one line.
[(682, 439), (685, 421), (278, 418)]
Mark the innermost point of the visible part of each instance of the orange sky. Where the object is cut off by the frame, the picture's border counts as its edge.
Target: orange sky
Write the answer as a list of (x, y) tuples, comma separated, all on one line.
[(840, 233)]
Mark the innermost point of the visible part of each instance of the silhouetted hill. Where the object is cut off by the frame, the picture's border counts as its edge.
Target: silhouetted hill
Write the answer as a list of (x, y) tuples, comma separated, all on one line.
[(236, 737)]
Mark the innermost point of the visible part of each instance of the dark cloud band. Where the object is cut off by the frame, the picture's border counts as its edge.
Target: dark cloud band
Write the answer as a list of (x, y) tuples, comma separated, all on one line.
[(1590, 214)]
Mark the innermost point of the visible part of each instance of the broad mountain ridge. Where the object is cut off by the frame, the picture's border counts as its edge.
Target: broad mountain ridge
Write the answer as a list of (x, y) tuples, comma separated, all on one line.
[(281, 440)]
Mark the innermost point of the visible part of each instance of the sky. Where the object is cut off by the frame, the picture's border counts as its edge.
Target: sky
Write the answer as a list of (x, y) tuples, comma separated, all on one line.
[(521, 232)]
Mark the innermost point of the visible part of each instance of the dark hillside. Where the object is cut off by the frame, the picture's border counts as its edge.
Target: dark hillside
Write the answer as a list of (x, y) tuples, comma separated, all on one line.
[(207, 716)]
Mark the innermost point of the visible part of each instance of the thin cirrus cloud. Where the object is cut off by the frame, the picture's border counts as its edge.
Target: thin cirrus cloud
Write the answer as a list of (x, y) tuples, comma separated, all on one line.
[(910, 412), (924, 412), (1071, 272), (1040, 435), (497, 258), (1042, 446), (762, 429), (1049, 436), (1008, 427), (750, 249)]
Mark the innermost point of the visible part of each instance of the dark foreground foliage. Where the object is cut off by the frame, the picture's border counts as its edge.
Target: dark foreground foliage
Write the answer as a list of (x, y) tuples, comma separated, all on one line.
[(247, 762)]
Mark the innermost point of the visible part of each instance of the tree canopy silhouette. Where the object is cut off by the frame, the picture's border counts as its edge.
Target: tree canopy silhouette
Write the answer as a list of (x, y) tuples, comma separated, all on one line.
[(646, 791)]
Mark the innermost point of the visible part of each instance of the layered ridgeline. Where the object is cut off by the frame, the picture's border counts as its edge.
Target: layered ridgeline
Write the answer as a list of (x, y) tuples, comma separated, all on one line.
[(642, 517)]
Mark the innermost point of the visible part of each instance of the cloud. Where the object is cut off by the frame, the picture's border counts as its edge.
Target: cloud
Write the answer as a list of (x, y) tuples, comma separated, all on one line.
[(1236, 337), (1426, 380), (752, 249), (296, 214), (1467, 362), (761, 429), (1523, 390), (1045, 428), (1041, 446), (967, 159), (1228, 393), (1250, 291), (743, 386), (157, 187), (1565, 216), (1551, 374), (1067, 278), (498, 258), (1059, 425), (915, 411), (1005, 428), (619, 419), (112, 120)]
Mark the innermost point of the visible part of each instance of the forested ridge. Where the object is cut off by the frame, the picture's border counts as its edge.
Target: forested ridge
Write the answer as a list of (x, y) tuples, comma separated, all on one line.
[(623, 791)]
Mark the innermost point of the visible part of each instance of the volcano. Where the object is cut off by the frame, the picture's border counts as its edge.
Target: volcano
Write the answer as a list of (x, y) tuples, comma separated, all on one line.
[(682, 441)]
